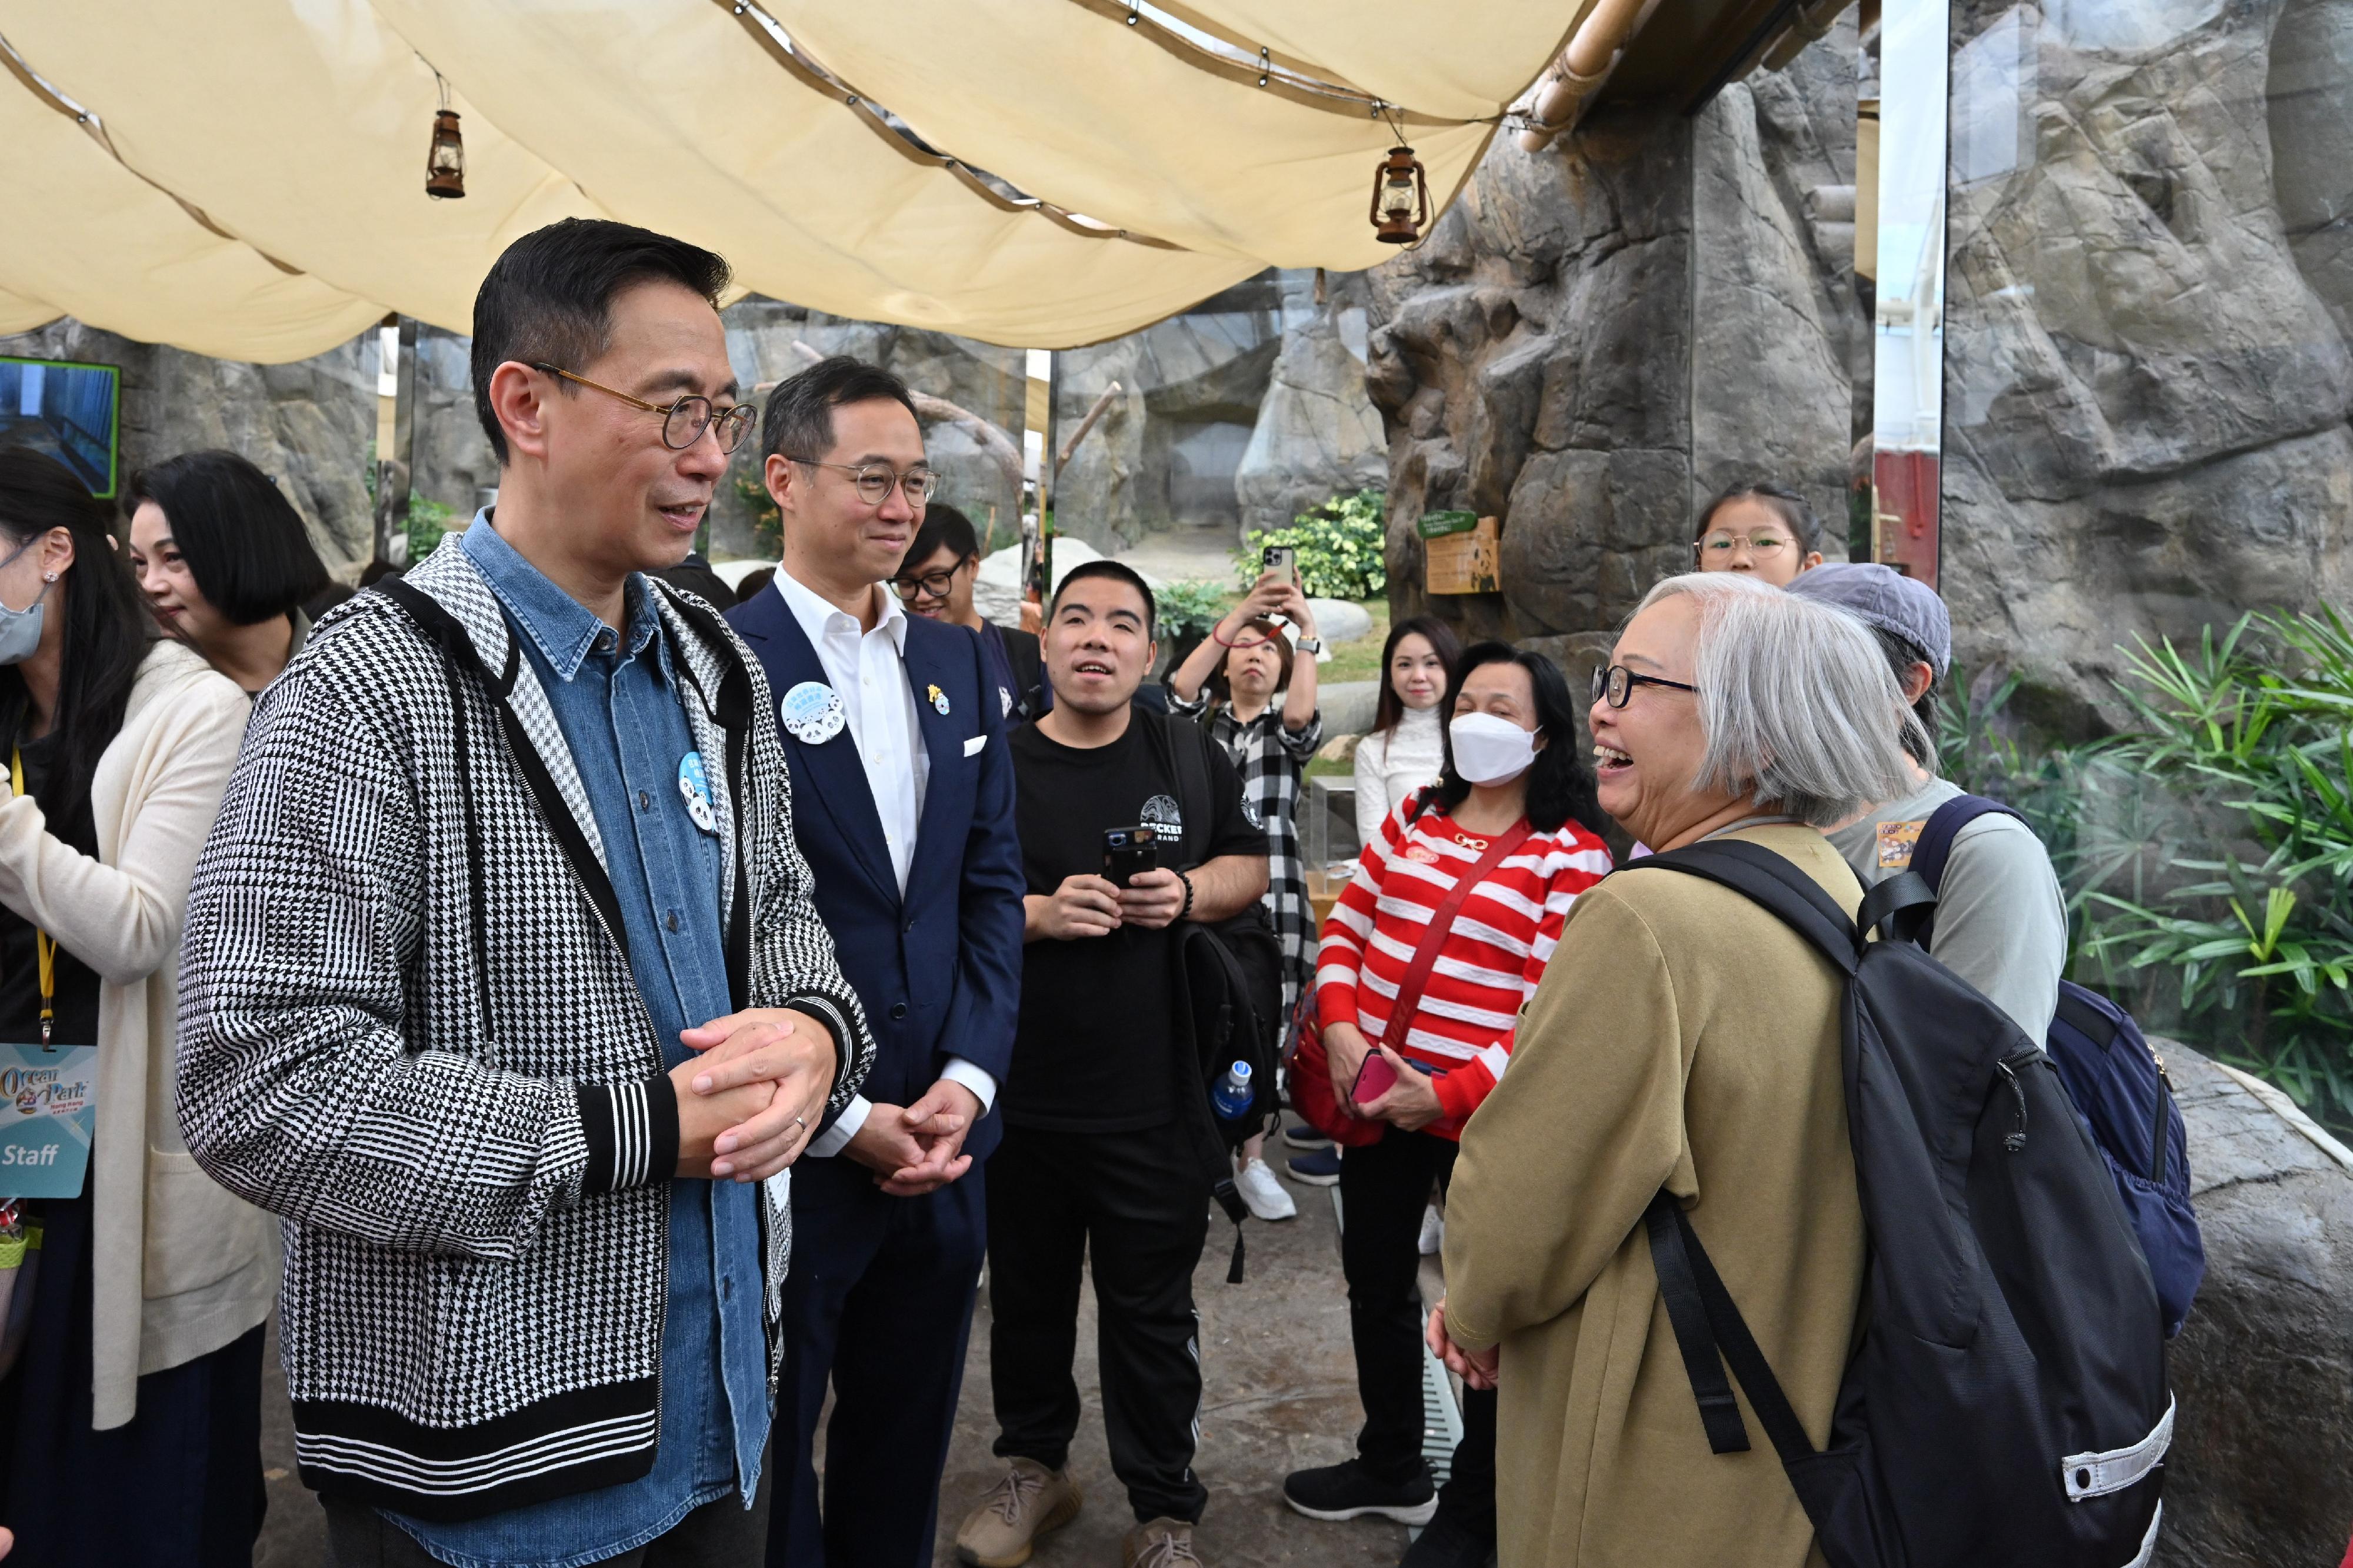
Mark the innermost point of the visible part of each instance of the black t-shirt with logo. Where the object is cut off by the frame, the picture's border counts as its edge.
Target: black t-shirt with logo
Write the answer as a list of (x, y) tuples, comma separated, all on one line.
[(1092, 1052)]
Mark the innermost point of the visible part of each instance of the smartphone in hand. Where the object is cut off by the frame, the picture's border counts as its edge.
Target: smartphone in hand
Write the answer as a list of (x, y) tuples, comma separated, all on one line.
[(1128, 850), (1373, 1080), (1282, 558)]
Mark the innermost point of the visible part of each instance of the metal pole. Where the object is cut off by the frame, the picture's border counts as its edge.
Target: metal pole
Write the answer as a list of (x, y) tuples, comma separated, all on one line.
[(396, 474)]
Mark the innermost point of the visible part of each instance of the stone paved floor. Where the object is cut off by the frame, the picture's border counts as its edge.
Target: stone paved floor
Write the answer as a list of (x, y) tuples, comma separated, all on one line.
[(1280, 1395)]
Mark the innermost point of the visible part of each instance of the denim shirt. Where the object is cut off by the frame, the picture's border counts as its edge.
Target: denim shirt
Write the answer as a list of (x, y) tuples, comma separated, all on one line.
[(618, 703)]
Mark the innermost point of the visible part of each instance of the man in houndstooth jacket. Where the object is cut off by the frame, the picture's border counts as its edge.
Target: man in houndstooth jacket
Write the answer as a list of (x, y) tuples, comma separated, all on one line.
[(503, 985)]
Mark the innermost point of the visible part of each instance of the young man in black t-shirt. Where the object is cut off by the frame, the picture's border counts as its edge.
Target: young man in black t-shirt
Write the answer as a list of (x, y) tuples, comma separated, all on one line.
[(1095, 1165)]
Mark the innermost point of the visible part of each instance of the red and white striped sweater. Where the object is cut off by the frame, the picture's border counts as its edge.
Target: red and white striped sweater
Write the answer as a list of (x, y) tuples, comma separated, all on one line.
[(1502, 938)]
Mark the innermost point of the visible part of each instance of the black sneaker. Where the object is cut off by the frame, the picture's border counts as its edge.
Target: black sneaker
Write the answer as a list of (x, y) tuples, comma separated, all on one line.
[(1349, 1491), (1321, 1169), (1306, 1138), (1448, 1542)]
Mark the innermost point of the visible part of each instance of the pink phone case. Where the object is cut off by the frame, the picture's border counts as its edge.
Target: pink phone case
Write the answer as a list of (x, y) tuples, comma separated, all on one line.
[(1373, 1080)]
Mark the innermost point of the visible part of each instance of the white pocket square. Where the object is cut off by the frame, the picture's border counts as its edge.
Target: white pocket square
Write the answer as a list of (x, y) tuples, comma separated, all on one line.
[(972, 747)]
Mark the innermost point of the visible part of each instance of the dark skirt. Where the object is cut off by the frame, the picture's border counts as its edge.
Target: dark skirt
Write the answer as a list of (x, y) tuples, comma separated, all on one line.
[(179, 1486)]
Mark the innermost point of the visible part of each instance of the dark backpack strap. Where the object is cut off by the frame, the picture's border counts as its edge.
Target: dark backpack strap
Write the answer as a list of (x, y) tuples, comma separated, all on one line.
[(1935, 844), (1905, 903), (1182, 747), (457, 646), (1741, 1353), (733, 711), (1767, 878), (1719, 1412)]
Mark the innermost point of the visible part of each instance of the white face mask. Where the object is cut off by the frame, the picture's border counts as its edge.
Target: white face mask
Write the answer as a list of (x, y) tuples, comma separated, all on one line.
[(1488, 750)]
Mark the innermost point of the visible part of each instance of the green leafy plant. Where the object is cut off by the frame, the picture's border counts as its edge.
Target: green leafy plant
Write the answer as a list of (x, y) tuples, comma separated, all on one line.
[(1340, 546), (429, 520), (1188, 610), (2208, 851)]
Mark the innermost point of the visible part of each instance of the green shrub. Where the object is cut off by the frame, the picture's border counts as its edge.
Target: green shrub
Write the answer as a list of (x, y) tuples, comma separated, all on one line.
[(1340, 546), (1188, 610), (429, 520), (2208, 852)]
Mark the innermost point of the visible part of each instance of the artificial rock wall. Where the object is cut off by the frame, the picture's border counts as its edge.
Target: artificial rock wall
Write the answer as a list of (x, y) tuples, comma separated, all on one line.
[(307, 423), (2147, 373), (2148, 377), (1599, 336)]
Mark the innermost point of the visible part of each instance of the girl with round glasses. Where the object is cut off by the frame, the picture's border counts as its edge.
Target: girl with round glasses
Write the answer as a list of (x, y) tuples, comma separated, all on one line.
[(1758, 527)]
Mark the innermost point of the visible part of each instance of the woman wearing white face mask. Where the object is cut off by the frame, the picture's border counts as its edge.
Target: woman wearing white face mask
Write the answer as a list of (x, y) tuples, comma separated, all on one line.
[(131, 1419), (1445, 930)]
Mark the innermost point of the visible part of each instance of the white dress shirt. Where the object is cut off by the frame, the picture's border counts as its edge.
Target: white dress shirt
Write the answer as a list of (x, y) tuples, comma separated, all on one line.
[(868, 670)]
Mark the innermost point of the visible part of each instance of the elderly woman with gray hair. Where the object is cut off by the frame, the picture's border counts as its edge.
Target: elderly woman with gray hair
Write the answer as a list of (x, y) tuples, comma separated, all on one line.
[(1682, 1037)]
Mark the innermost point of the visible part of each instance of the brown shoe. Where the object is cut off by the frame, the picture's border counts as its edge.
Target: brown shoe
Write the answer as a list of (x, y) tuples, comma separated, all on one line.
[(1030, 1500), (1159, 1543)]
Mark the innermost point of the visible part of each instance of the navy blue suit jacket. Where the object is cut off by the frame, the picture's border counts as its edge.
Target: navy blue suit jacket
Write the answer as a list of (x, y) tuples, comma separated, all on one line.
[(940, 970)]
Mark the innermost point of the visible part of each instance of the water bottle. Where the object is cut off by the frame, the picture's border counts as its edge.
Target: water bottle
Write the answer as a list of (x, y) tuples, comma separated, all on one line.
[(1233, 1096)]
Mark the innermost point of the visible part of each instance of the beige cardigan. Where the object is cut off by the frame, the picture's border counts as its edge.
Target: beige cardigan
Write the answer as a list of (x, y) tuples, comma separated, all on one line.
[(179, 1266)]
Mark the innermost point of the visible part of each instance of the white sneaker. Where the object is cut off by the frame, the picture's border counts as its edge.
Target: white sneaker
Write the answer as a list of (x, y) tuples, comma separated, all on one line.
[(1262, 1192), (1433, 1232)]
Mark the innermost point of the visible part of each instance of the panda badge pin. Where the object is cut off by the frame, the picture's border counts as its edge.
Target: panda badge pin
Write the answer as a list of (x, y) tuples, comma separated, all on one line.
[(812, 712), (695, 785)]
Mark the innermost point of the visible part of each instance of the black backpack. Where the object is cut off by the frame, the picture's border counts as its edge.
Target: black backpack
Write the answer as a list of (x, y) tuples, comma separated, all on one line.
[(2007, 1404), (2119, 1087), (1229, 989)]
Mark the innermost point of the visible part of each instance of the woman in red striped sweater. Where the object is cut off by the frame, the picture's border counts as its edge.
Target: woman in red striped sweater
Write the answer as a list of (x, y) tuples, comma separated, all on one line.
[(1508, 837)]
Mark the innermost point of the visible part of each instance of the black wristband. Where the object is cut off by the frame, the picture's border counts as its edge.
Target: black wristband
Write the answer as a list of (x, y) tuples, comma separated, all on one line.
[(1187, 910)]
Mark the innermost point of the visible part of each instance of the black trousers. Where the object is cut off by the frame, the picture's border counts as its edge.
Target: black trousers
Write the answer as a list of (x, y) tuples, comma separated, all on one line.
[(1131, 1204), (1384, 1188), (721, 1534)]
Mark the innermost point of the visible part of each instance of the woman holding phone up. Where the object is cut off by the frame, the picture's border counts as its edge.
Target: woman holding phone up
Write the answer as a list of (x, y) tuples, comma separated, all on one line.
[(1445, 930)]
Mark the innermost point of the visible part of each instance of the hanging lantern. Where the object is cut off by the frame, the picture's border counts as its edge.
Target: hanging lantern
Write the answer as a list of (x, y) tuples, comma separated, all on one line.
[(444, 165), (1400, 198)]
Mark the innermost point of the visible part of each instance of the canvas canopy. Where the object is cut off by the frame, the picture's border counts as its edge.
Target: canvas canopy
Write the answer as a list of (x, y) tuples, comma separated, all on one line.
[(245, 178)]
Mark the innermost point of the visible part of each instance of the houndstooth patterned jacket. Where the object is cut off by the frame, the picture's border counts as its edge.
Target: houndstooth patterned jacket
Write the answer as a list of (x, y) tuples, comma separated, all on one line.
[(408, 1026)]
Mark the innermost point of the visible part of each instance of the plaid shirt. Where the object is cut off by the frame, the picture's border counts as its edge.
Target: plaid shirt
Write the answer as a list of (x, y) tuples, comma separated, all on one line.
[(1272, 761)]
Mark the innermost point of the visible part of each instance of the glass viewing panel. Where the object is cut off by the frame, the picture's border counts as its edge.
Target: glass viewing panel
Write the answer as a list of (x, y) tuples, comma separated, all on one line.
[(2147, 471)]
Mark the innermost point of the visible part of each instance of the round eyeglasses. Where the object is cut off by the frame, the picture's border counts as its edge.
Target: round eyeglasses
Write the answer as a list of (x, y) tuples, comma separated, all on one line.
[(875, 480), (1764, 546), (1615, 685), (683, 422)]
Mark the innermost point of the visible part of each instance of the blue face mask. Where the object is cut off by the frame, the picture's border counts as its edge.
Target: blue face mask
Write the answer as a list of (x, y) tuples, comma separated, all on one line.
[(20, 630)]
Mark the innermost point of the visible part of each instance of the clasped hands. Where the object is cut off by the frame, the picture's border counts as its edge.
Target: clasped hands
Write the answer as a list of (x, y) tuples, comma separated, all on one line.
[(749, 1101), (750, 1098)]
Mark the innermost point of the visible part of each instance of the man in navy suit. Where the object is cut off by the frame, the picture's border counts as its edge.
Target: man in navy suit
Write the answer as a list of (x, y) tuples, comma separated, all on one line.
[(902, 795)]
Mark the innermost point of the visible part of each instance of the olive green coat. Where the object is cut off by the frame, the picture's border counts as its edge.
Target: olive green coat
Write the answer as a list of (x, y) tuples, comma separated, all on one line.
[(1682, 1037)]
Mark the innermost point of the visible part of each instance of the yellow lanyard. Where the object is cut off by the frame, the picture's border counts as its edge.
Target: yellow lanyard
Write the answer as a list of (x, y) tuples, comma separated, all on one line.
[(42, 945)]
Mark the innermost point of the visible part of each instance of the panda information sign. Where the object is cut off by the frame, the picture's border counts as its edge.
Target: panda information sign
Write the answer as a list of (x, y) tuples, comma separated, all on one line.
[(48, 1108)]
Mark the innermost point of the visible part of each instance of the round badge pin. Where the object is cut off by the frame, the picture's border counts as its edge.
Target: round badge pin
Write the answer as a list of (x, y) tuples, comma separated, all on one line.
[(811, 712), (695, 786)]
